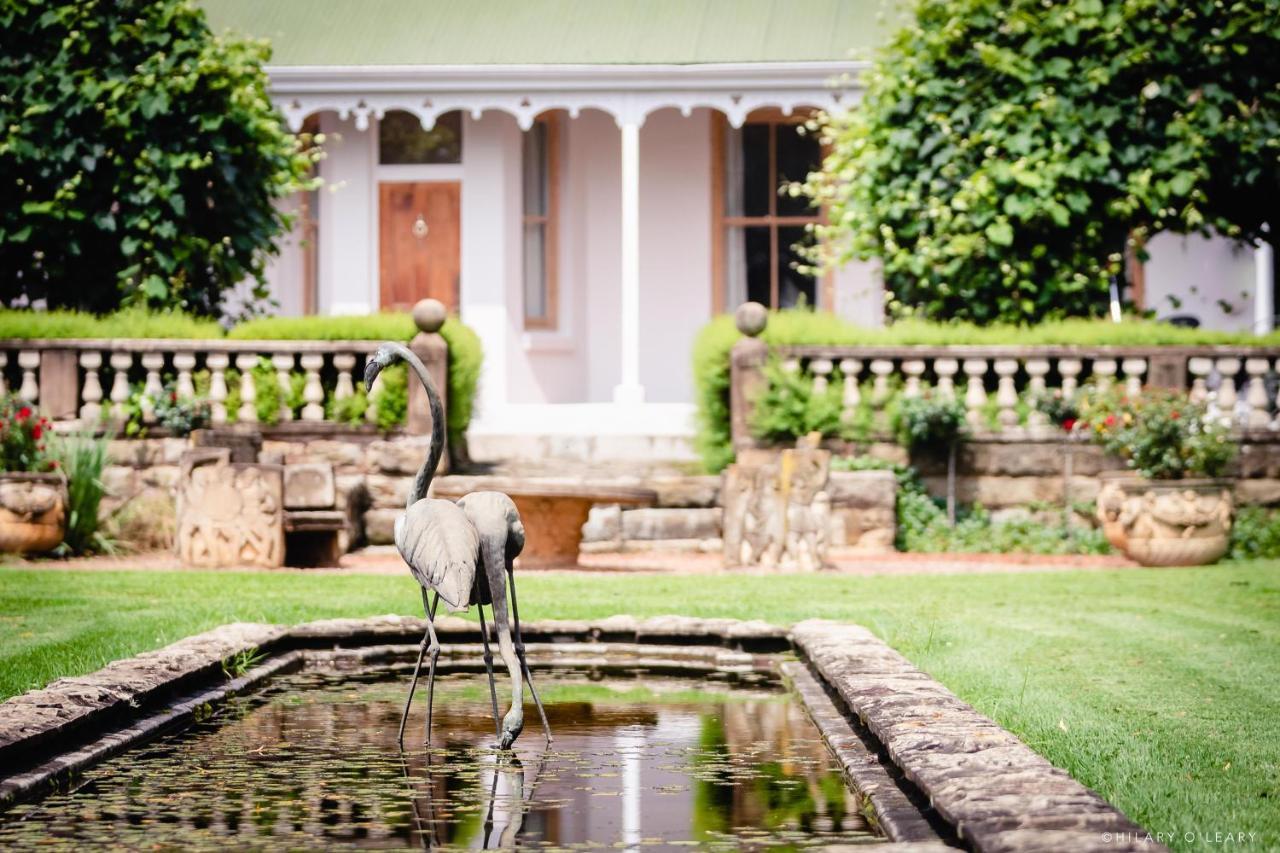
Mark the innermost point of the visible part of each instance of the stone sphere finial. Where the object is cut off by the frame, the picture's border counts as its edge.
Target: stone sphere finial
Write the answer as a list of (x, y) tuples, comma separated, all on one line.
[(429, 315), (751, 318)]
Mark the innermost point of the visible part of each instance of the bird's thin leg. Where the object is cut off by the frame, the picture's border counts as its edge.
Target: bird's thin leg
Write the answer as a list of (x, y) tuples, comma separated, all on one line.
[(488, 666), (515, 615), (417, 667), (434, 650)]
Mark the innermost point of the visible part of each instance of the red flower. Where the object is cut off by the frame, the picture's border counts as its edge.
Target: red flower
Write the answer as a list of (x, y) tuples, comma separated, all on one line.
[(24, 413), (1110, 421), (54, 463), (1069, 424), (1174, 414), (37, 431)]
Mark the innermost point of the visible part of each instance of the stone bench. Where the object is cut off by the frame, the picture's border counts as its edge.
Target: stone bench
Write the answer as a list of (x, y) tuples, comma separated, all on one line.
[(553, 509)]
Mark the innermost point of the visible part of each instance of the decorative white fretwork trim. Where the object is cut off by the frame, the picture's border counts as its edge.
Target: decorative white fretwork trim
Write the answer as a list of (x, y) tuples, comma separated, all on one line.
[(627, 92)]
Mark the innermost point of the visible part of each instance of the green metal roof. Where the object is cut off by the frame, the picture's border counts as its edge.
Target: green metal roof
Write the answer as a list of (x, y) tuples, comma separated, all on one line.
[(555, 32)]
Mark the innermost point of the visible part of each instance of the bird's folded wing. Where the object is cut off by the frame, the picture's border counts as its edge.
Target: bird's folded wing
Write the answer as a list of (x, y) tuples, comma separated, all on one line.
[(440, 545)]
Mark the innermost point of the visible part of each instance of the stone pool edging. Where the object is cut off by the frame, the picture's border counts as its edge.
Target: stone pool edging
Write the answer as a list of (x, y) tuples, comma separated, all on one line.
[(998, 793), (985, 784)]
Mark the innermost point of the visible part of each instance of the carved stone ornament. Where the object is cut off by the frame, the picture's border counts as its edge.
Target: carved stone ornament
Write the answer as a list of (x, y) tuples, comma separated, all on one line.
[(1175, 522), (777, 509), (229, 514), (32, 512)]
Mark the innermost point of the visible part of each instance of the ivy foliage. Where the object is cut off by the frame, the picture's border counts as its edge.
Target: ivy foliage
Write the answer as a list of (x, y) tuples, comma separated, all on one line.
[(140, 156), (1006, 150)]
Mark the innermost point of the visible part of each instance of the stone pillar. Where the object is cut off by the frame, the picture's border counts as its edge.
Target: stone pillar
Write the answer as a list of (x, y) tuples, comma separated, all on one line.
[(430, 346), (59, 384), (746, 371)]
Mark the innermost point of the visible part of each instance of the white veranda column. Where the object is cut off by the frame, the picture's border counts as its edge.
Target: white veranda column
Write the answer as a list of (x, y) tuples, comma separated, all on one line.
[(1264, 309), (630, 390)]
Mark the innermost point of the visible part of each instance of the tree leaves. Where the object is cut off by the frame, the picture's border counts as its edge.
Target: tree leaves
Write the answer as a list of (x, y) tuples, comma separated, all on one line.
[(1000, 144), (132, 142)]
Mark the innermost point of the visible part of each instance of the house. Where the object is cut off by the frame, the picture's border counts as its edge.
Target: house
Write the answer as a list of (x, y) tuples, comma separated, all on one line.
[(586, 182)]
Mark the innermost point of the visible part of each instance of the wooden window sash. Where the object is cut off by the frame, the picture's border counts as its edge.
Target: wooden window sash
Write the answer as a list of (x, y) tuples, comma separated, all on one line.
[(722, 222), (550, 222)]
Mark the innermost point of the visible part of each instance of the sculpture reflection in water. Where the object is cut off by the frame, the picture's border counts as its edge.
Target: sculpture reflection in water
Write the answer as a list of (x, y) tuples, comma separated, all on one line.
[(501, 776), (442, 542)]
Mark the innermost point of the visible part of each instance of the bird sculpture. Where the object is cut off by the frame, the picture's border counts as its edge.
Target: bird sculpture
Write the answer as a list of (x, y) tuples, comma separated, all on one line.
[(443, 543)]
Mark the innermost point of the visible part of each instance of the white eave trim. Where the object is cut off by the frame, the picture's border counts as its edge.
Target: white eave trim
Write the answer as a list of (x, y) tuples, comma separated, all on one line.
[(627, 92)]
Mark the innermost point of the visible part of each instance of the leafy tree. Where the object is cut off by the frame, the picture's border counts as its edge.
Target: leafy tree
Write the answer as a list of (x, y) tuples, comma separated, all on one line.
[(1005, 150), (140, 157)]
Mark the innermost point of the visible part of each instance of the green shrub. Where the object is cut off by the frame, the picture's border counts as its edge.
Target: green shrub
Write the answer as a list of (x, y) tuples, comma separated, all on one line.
[(788, 408), (82, 458), (923, 525), (930, 421), (391, 398), (349, 410), (24, 434), (125, 323), (141, 156), (466, 357), (387, 326), (1162, 435), (1005, 151), (1255, 534)]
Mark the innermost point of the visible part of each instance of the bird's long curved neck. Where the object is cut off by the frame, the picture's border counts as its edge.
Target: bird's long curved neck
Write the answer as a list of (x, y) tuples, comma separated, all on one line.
[(423, 481)]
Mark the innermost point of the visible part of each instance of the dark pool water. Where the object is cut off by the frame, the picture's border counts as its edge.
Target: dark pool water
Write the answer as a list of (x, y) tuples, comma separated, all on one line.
[(311, 762)]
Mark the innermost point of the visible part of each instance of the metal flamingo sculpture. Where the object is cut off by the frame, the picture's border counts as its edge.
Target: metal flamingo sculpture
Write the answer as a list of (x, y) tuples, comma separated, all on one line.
[(442, 548), (497, 522)]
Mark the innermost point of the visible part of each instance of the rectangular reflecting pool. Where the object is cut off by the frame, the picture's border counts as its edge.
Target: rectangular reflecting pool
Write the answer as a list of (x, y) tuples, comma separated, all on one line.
[(311, 761)]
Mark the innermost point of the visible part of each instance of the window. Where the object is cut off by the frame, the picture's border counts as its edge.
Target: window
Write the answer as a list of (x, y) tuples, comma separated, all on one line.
[(403, 141), (758, 227), (541, 203)]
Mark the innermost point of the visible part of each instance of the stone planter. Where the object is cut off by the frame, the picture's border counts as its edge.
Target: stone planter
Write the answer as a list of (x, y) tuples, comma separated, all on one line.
[(1110, 503), (1175, 522), (33, 512)]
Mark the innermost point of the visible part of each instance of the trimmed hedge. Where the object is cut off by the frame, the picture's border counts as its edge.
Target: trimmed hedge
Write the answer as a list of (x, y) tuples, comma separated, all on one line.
[(797, 326), (126, 323), (466, 355)]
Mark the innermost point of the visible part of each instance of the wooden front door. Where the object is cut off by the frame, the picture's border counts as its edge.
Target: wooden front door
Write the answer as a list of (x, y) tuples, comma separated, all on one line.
[(419, 243)]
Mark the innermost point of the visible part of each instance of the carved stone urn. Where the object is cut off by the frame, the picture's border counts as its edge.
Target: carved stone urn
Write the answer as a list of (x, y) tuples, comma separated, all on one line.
[(1110, 503), (1174, 522), (33, 512)]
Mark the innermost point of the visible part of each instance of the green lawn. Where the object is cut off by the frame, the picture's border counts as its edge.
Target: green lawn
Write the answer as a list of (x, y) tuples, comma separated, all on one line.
[(1156, 688)]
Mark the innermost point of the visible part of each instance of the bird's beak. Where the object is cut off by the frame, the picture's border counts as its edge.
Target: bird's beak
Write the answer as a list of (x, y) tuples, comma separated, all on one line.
[(371, 371)]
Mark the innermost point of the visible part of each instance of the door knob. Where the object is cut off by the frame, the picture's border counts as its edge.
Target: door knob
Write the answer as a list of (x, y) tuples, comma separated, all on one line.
[(420, 227)]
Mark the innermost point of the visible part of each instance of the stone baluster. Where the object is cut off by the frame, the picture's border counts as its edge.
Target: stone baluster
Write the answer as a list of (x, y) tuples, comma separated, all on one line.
[(248, 412), (1007, 392), (821, 369), (1200, 368), (914, 369), (153, 362), (791, 365), (4, 384), (283, 363), (120, 364), (91, 409), (975, 395), (312, 392), (1257, 415), (1037, 369), (1227, 396), (1069, 369), (1104, 373), (1133, 370), (881, 368), (29, 361), (946, 368), (217, 363), (852, 397), (345, 362), (185, 363)]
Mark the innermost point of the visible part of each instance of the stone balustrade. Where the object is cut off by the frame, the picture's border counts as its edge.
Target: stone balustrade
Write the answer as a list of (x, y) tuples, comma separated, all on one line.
[(996, 383)]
